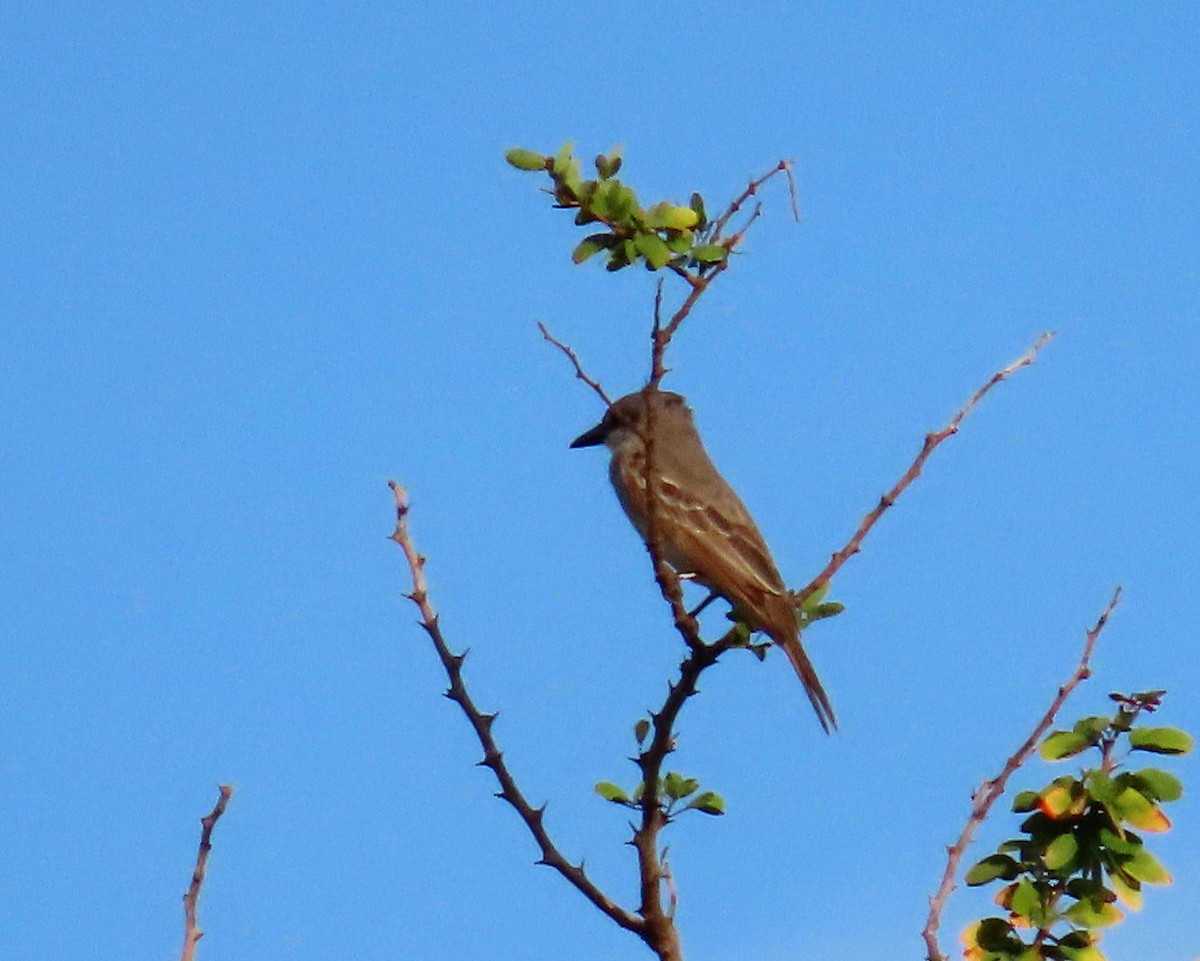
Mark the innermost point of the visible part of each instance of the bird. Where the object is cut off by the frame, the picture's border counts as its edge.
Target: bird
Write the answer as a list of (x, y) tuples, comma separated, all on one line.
[(702, 528)]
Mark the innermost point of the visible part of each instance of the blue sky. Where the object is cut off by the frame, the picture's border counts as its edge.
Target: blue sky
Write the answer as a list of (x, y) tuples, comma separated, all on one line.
[(258, 261)]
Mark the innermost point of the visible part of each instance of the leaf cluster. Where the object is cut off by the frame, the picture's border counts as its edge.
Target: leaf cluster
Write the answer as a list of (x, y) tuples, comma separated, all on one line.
[(1077, 856), (670, 790), (673, 790), (664, 234)]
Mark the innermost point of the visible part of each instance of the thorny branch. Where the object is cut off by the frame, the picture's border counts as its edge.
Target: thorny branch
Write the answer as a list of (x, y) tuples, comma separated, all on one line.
[(932, 441), (481, 722), (990, 791), (191, 931)]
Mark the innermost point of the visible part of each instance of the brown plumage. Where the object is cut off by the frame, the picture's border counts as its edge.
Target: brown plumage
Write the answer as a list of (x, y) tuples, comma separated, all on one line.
[(702, 526)]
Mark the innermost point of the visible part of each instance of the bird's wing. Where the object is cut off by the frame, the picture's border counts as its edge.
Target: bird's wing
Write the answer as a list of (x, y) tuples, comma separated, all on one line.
[(720, 541)]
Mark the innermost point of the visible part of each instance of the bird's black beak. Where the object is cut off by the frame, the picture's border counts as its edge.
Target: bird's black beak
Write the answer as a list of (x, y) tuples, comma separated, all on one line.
[(592, 437)]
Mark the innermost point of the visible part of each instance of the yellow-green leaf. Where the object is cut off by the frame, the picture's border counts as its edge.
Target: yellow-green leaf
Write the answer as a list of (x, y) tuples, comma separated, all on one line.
[(1061, 852), (1090, 914), (1064, 744), (1146, 868), (1160, 740), (1132, 806), (524, 159)]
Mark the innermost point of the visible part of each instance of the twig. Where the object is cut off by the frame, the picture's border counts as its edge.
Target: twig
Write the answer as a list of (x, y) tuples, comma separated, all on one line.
[(752, 189), (932, 441), (191, 931), (574, 359), (986, 795), (493, 758), (698, 283)]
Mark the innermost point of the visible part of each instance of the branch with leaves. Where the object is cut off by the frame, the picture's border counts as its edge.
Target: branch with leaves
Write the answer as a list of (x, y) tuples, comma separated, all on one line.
[(1077, 854), (990, 791)]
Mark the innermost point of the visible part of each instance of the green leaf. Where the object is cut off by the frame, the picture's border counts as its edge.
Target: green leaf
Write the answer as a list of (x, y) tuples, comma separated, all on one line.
[(591, 245), (1091, 727), (1026, 902), (1101, 787), (707, 803), (1078, 939), (607, 166), (611, 792), (990, 868), (677, 786), (1160, 740), (524, 159), (1064, 744), (697, 204), (641, 729), (680, 218), (680, 241), (1092, 913), (563, 160), (654, 249), (711, 253), (1058, 801), (1025, 802), (816, 596), (1129, 893), (1134, 807), (1146, 868), (1158, 785), (995, 934), (1061, 852), (622, 202), (1117, 844), (1082, 889)]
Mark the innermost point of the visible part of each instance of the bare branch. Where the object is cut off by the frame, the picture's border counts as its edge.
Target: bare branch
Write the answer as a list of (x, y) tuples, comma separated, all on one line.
[(191, 931), (493, 758), (932, 441), (986, 795), (574, 359)]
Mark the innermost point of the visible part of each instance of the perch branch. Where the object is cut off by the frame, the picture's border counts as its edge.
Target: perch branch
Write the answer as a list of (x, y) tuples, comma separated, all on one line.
[(191, 931), (990, 791), (493, 758), (932, 441)]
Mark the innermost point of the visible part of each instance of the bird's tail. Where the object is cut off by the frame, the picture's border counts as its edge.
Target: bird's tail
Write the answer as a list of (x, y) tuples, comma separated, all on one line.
[(808, 677)]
